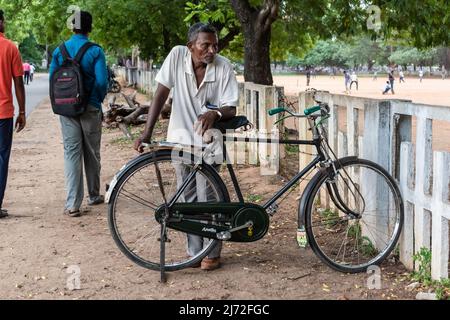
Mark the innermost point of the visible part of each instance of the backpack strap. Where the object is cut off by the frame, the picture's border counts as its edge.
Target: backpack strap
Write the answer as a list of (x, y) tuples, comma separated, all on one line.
[(64, 52), (83, 50)]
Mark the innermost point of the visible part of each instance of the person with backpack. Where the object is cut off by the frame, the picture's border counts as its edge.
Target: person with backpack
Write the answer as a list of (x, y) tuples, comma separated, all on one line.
[(10, 70), (78, 86)]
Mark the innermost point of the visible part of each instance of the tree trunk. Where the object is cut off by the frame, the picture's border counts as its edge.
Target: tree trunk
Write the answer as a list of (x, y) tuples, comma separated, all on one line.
[(447, 59), (257, 55), (257, 26)]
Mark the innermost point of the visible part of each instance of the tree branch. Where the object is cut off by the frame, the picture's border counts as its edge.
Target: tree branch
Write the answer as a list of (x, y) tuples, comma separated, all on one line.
[(225, 41), (270, 13)]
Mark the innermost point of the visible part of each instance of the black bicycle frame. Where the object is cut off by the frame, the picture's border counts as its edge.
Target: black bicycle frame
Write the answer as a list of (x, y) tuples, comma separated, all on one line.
[(315, 142)]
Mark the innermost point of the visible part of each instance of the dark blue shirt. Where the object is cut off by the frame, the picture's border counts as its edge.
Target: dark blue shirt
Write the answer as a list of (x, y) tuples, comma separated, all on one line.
[(93, 65)]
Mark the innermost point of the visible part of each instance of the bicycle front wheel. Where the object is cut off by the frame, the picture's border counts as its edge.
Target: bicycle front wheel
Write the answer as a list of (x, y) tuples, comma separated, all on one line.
[(354, 215), (136, 198)]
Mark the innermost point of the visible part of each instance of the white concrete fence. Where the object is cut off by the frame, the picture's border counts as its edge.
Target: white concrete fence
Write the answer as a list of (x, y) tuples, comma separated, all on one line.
[(144, 80)]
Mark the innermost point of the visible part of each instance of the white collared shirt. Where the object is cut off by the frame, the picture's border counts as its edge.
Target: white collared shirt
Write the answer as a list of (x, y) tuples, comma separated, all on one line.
[(219, 87)]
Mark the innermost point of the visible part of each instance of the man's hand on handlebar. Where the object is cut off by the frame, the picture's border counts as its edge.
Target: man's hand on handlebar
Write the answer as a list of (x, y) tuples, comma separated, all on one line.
[(138, 144)]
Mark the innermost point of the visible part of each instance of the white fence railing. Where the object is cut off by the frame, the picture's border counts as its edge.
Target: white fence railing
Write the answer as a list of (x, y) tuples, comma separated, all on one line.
[(381, 130), (254, 101), (144, 80)]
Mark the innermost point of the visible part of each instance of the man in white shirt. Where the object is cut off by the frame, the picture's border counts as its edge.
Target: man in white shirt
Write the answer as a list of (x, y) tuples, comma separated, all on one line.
[(197, 76)]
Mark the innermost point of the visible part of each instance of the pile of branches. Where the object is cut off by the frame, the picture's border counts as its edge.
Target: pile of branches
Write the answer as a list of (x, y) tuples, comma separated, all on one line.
[(132, 114)]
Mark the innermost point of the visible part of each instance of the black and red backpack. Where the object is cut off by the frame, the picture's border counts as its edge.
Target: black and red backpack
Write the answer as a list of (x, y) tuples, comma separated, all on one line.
[(68, 93)]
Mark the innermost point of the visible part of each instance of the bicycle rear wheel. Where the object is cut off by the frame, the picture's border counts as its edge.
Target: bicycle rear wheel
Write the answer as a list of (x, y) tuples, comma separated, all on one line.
[(354, 215), (137, 196)]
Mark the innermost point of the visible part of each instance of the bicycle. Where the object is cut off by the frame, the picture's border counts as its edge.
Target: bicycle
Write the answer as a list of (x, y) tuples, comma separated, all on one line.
[(352, 208), (113, 85)]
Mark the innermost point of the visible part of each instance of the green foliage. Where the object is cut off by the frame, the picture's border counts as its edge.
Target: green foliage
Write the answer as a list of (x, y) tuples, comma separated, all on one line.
[(155, 26), (415, 56), (253, 198), (423, 259), (31, 51), (367, 248), (292, 149), (423, 275), (365, 245), (330, 217)]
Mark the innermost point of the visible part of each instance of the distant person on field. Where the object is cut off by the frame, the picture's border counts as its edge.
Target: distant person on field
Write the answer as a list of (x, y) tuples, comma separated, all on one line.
[(421, 75), (387, 87), (347, 81), (375, 75), (391, 80), (11, 69), (308, 77), (354, 79), (402, 77)]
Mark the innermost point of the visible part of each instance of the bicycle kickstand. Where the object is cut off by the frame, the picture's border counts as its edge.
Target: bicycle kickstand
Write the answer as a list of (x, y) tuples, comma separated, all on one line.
[(163, 236), (162, 257)]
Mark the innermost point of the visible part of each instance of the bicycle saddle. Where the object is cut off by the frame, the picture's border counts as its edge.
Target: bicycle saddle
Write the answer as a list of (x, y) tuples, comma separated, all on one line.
[(233, 124)]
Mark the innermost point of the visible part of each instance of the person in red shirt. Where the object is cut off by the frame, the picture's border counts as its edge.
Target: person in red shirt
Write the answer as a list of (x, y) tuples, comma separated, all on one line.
[(26, 72), (10, 69)]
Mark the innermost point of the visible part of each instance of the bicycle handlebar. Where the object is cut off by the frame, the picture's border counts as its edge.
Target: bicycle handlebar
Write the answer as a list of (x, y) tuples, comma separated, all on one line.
[(275, 111), (311, 110)]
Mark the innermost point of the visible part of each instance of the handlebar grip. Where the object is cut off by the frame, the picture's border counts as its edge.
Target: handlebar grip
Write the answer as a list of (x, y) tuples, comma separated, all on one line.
[(311, 110), (274, 111)]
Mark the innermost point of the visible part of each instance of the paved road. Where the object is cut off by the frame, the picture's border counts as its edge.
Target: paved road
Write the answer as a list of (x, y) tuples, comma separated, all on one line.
[(36, 91)]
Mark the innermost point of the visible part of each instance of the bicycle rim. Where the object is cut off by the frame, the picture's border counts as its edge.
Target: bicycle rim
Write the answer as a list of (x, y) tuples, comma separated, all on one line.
[(345, 242), (132, 213)]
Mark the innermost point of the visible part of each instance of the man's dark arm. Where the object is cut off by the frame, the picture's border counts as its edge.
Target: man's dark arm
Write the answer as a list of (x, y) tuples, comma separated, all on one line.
[(154, 111), (20, 94)]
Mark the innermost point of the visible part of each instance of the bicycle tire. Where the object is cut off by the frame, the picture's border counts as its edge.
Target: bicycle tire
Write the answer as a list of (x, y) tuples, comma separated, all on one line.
[(363, 241), (119, 209)]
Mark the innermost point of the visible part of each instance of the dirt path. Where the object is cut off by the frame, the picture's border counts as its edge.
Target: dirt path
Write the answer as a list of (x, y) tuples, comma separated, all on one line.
[(38, 245)]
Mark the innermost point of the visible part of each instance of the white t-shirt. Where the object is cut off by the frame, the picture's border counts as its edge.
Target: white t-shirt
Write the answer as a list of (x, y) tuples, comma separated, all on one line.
[(354, 77), (219, 87), (32, 68)]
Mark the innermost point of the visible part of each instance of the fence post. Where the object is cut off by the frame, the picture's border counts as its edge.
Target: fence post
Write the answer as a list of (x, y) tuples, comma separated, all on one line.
[(440, 227), (406, 184)]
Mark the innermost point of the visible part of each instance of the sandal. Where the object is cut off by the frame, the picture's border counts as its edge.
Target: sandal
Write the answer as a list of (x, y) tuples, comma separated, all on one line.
[(72, 213), (3, 213)]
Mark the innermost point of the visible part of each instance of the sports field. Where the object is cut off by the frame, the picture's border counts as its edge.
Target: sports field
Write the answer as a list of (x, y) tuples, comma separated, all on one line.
[(430, 91)]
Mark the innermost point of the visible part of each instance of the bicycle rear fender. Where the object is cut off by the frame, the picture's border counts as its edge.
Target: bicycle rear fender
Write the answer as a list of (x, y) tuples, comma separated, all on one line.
[(306, 195)]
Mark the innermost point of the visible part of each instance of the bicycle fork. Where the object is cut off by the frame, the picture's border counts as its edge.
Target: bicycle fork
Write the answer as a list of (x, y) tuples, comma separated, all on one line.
[(332, 188)]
